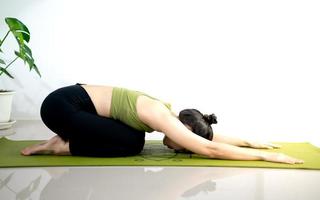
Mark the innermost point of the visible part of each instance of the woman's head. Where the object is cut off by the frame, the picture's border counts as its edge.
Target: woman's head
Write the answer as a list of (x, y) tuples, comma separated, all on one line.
[(197, 122)]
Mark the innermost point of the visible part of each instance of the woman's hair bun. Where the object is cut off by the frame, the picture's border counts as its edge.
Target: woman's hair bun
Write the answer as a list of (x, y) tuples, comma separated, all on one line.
[(210, 119)]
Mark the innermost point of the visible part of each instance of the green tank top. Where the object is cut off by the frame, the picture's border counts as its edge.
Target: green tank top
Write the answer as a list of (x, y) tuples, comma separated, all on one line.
[(123, 108)]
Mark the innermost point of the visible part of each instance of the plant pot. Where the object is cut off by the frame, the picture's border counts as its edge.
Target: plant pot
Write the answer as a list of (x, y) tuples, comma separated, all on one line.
[(5, 105)]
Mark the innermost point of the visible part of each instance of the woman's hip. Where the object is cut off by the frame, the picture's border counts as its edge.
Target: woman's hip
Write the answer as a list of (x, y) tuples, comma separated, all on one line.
[(62, 103)]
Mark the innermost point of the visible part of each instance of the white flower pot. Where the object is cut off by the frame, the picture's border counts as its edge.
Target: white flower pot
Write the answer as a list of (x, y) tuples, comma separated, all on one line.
[(5, 105)]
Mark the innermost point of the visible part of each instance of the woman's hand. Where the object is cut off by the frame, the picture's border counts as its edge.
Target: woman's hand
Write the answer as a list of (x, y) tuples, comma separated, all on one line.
[(259, 145), (281, 158)]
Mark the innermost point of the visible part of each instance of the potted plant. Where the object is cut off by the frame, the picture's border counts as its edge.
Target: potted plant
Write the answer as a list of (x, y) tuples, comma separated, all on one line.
[(22, 36)]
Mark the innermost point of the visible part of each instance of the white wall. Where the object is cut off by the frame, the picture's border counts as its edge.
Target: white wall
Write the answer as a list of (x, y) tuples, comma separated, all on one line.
[(253, 63)]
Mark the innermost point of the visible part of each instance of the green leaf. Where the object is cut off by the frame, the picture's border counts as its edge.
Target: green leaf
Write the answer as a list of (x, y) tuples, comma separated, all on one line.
[(24, 54), (36, 69), (5, 72), (2, 62), (30, 62), (20, 55), (26, 50), (19, 30), (16, 24), (22, 35)]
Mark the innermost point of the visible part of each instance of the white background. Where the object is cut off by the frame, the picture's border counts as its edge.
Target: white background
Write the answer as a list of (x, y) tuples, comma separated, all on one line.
[(253, 63)]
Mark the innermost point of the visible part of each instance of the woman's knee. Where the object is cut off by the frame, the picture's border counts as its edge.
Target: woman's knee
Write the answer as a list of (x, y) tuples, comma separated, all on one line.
[(47, 111), (52, 115)]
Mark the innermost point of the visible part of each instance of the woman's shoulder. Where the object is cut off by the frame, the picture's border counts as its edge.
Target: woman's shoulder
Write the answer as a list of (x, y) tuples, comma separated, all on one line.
[(150, 111)]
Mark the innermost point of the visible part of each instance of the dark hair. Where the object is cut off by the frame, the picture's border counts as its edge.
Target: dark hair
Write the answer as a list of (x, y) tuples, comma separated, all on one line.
[(199, 123)]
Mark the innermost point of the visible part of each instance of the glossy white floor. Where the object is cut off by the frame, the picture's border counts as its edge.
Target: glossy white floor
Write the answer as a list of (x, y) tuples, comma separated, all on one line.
[(150, 182)]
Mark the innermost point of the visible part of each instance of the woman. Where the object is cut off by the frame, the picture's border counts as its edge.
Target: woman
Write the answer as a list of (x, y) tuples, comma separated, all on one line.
[(96, 120)]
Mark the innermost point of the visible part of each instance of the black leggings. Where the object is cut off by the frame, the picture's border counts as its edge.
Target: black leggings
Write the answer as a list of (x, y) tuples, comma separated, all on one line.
[(70, 113)]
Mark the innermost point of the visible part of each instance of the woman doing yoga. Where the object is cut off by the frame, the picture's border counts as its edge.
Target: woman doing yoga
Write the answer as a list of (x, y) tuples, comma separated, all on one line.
[(104, 121)]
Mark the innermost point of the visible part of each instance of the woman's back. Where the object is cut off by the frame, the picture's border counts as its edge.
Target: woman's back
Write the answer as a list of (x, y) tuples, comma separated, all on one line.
[(101, 97), (144, 110)]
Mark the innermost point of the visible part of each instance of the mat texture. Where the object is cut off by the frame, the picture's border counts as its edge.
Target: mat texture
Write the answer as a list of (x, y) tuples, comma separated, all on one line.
[(154, 154)]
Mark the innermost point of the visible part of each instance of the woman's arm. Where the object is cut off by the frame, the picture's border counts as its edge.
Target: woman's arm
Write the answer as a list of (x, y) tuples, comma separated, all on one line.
[(229, 140), (163, 121), (226, 151), (242, 143)]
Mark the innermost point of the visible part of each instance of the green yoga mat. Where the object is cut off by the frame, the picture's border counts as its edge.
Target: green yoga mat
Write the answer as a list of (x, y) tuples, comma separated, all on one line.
[(154, 154)]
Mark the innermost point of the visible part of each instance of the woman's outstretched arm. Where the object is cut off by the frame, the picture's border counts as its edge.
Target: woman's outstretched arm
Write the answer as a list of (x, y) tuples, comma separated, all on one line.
[(162, 120), (242, 143), (230, 140), (176, 131)]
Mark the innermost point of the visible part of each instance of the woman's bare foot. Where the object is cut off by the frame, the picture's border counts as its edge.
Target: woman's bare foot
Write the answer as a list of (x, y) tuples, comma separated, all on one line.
[(54, 146)]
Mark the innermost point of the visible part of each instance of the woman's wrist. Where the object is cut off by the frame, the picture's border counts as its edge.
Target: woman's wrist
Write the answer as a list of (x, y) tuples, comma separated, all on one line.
[(264, 156)]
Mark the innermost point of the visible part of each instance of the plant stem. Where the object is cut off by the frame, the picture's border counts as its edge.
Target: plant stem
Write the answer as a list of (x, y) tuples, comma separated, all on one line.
[(9, 65), (4, 38)]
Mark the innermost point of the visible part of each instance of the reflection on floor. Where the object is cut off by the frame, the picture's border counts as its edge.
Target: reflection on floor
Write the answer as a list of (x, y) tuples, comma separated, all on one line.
[(157, 183), (154, 183)]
